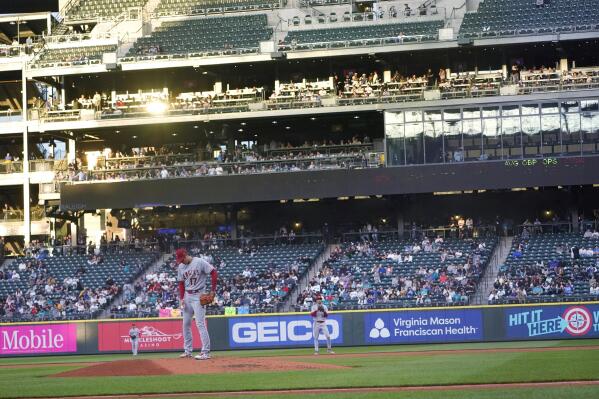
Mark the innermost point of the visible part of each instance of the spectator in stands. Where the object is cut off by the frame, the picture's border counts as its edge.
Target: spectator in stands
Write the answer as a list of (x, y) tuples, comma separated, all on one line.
[(515, 73), (97, 102), (442, 76)]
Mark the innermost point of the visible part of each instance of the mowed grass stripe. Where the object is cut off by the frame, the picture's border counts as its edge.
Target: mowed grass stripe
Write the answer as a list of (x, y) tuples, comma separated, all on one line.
[(510, 393), (305, 351), (405, 370)]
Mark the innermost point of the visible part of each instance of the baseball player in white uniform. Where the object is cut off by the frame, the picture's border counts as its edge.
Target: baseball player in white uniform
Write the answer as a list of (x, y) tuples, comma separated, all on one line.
[(192, 275), (134, 335), (319, 316)]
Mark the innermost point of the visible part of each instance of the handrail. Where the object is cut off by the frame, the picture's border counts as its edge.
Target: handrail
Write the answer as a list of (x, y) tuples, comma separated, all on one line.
[(67, 7)]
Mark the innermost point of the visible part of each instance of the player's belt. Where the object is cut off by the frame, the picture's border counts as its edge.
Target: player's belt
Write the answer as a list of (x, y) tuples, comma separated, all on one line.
[(193, 291), (320, 321)]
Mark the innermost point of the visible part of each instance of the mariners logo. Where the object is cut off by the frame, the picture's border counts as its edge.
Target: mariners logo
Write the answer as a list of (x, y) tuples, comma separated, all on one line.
[(577, 321)]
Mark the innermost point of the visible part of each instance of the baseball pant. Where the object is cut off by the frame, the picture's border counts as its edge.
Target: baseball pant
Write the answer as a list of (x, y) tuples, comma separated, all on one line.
[(193, 307), (134, 345), (317, 327)]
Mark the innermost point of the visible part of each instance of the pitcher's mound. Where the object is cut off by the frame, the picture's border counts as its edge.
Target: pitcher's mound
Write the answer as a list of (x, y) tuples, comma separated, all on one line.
[(191, 366)]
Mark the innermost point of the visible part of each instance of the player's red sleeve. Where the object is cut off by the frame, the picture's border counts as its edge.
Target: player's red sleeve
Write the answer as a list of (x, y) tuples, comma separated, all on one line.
[(181, 289), (213, 278), (313, 314)]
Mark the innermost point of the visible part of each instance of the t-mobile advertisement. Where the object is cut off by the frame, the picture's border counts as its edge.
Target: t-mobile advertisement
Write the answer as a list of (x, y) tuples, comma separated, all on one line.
[(576, 321), (423, 326), (31, 340), (153, 335)]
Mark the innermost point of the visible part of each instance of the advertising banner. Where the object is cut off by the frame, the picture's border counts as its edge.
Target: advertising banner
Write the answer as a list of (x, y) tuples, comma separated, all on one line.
[(545, 322), (296, 330), (153, 335), (423, 326), (37, 339)]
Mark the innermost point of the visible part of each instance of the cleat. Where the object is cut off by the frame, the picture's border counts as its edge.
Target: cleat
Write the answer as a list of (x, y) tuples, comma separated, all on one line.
[(316, 353), (185, 355), (330, 352), (203, 356)]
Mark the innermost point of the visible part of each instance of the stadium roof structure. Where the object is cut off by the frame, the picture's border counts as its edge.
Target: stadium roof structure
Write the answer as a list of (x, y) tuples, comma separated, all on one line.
[(14, 26)]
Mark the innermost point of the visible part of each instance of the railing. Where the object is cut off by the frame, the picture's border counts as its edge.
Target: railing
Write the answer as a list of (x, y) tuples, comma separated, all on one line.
[(418, 233), (531, 229), (337, 44), (406, 95), (76, 38), (9, 51), (40, 64), (130, 14), (38, 165), (213, 243), (528, 32), (67, 7), (207, 10), (10, 114), (7, 167), (383, 16), (342, 161), (189, 56)]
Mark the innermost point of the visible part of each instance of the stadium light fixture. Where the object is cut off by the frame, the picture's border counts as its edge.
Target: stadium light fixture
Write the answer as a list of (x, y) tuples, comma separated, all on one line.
[(156, 107)]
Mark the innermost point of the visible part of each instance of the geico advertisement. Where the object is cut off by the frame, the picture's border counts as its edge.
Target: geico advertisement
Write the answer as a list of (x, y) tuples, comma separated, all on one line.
[(247, 332), (575, 321)]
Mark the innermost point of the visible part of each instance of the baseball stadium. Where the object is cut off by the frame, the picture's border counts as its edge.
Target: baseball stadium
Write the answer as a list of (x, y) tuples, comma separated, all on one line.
[(299, 198)]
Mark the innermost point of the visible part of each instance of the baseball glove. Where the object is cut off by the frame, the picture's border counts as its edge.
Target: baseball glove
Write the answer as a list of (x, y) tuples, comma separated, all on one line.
[(206, 299)]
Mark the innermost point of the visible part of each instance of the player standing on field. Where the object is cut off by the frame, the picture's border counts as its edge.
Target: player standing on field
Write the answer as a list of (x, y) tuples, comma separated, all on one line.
[(192, 275), (134, 336), (319, 315)]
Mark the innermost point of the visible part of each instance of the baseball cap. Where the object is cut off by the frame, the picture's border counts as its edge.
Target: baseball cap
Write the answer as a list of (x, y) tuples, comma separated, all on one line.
[(180, 255)]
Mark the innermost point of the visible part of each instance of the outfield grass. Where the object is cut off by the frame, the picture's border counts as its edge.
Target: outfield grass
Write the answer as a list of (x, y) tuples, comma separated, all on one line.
[(295, 352), (406, 370)]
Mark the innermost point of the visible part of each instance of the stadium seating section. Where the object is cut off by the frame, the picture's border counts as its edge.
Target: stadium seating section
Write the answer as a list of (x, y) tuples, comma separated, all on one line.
[(207, 34), (506, 17), (192, 7), (72, 56), (354, 266), (119, 267), (558, 278), (426, 31), (102, 8), (270, 282)]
